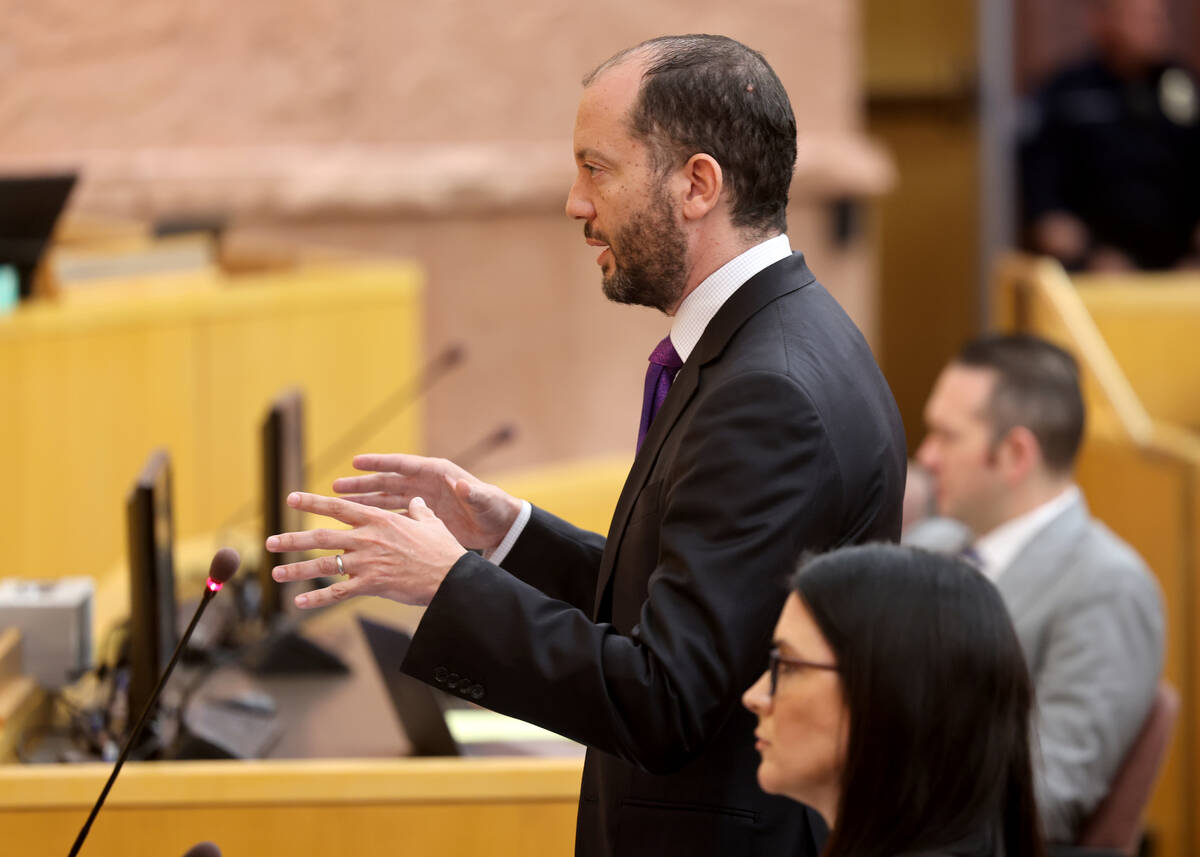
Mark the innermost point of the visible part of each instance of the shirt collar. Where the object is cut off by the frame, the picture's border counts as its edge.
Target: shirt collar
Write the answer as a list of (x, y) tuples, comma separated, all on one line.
[(1000, 547), (699, 307)]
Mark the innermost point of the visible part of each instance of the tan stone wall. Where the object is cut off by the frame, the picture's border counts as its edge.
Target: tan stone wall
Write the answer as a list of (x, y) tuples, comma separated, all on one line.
[(440, 131), (183, 73)]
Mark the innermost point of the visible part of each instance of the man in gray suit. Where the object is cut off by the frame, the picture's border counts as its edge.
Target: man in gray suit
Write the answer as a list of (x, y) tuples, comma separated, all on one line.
[(1005, 421)]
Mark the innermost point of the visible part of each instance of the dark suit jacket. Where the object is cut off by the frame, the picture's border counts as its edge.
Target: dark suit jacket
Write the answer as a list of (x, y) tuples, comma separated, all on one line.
[(779, 436)]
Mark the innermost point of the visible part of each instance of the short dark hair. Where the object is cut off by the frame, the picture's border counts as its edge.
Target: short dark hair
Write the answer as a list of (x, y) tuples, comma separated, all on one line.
[(1037, 386), (714, 95), (939, 700)]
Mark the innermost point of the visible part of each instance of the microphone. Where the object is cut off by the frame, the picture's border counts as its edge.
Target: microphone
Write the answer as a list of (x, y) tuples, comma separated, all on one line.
[(203, 849), (500, 437), (223, 566), (350, 441)]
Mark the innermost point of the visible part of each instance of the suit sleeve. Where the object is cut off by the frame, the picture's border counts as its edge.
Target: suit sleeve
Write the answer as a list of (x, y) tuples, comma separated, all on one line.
[(756, 481), (557, 558), (1094, 687)]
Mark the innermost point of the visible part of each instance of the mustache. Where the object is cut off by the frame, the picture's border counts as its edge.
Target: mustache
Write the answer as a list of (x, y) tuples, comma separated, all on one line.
[(592, 235)]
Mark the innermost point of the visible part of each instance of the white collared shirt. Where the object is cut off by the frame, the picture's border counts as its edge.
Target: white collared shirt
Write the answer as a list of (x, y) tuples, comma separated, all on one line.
[(699, 307), (1000, 547), (691, 319)]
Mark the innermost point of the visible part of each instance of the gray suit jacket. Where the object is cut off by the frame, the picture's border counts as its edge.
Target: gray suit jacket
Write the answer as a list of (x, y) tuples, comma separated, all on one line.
[(1090, 619)]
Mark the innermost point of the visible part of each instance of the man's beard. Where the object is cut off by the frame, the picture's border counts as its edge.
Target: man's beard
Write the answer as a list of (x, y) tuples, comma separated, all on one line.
[(651, 270)]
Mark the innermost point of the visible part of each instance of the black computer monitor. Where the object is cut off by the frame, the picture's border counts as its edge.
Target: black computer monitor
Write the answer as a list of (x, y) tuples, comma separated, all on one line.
[(282, 649), (29, 209), (154, 631), (282, 473)]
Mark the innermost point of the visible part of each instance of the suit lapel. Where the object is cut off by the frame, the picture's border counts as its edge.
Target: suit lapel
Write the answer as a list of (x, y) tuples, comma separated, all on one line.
[(1024, 578), (787, 275)]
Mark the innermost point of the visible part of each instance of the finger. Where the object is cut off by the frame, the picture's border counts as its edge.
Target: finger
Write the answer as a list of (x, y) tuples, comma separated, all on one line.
[(309, 540), (406, 465), (465, 491), (367, 484), (419, 511), (391, 502), (354, 514), (309, 569), (339, 591)]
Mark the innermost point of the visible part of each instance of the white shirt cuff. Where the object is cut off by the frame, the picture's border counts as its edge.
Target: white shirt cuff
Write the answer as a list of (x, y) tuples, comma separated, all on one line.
[(510, 538)]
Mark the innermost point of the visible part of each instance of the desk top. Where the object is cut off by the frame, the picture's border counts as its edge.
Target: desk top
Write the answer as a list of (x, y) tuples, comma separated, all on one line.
[(326, 781)]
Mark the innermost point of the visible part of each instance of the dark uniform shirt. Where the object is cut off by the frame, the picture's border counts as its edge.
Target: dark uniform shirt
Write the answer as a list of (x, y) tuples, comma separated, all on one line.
[(1121, 155)]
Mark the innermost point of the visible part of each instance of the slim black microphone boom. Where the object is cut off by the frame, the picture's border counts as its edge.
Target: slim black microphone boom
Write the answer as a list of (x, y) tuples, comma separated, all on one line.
[(499, 437), (348, 443), (224, 564), (399, 399)]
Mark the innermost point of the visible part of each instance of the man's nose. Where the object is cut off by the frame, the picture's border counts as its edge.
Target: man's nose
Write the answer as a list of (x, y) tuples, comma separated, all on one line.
[(578, 205), (926, 457)]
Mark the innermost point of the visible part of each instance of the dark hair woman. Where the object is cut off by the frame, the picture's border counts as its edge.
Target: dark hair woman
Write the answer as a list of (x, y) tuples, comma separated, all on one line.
[(897, 705)]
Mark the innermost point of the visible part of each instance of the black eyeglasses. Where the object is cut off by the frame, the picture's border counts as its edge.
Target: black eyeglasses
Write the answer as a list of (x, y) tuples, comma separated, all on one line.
[(774, 659)]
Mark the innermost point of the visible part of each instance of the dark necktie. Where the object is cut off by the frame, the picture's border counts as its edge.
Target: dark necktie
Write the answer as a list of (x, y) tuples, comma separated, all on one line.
[(664, 366)]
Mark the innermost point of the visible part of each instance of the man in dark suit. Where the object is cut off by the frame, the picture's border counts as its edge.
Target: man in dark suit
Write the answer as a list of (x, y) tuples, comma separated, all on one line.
[(767, 431)]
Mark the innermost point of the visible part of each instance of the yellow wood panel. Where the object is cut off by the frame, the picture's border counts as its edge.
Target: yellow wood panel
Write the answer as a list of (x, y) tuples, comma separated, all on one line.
[(927, 252), (1146, 500), (14, 517), (347, 358), (515, 829), (262, 809), (1153, 330), (921, 48), (91, 388), (94, 402)]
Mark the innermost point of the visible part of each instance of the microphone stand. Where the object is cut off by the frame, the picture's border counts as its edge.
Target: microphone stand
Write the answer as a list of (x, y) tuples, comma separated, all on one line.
[(211, 588)]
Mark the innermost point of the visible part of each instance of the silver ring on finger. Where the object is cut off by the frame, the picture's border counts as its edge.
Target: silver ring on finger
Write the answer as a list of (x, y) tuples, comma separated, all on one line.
[(341, 566)]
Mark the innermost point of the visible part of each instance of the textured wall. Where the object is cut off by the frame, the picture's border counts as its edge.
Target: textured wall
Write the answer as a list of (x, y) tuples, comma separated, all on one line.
[(435, 130), (155, 73)]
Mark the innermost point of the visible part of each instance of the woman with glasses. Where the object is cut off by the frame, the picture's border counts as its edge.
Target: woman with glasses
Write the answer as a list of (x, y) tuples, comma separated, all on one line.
[(896, 704)]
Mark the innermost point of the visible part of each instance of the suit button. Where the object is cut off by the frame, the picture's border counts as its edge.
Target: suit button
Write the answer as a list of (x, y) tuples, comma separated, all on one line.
[(452, 681), (477, 692), (439, 675)]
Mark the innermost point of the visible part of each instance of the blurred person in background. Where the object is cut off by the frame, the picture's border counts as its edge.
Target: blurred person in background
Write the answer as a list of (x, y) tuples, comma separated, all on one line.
[(1110, 150), (1005, 422), (897, 704)]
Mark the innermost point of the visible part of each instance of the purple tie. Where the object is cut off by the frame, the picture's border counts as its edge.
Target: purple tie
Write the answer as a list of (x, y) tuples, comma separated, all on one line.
[(660, 374)]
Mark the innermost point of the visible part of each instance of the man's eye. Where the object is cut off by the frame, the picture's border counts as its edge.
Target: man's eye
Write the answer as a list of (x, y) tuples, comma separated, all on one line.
[(787, 669)]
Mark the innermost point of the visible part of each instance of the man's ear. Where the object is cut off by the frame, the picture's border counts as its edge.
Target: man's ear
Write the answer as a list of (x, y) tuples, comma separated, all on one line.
[(703, 180), (1019, 454)]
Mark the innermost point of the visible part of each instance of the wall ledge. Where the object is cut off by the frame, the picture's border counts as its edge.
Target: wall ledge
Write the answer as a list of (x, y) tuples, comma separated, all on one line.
[(309, 182)]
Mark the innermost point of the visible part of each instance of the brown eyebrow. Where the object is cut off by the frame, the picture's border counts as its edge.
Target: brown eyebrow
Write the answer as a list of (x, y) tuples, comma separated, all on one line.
[(586, 154)]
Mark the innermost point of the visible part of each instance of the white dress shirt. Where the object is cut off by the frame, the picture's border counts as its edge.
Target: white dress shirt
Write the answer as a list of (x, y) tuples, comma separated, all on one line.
[(692, 317), (1000, 547)]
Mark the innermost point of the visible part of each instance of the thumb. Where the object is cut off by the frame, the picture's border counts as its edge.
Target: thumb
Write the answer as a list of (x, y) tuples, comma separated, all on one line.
[(467, 493), (419, 511)]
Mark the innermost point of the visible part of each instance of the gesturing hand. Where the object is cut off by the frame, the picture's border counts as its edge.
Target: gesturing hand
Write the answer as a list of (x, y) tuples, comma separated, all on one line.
[(478, 514), (401, 557)]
